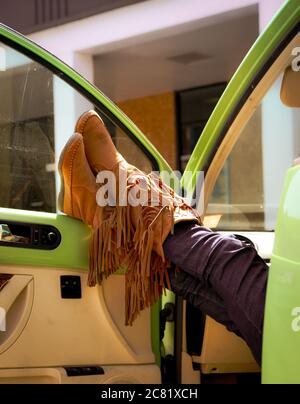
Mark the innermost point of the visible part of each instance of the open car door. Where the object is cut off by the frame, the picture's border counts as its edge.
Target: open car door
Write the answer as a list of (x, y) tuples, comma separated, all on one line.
[(245, 151), (53, 328)]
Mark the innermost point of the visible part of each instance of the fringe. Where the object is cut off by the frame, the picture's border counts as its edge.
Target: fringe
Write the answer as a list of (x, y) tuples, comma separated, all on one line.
[(118, 242), (110, 243)]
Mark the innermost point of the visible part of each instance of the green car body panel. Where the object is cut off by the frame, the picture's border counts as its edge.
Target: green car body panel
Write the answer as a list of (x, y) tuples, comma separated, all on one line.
[(282, 297), (281, 359), (71, 253)]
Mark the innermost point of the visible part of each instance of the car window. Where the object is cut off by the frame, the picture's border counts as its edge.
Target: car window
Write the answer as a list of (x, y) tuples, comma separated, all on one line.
[(38, 112), (262, 146)]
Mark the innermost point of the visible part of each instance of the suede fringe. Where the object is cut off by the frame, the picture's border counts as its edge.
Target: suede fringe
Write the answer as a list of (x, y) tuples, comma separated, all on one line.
[(116, 243)]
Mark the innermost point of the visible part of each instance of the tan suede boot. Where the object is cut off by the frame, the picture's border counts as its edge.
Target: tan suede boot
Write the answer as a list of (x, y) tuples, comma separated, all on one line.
[(131, 236), (78, 185), (77, 198), (99, 147)]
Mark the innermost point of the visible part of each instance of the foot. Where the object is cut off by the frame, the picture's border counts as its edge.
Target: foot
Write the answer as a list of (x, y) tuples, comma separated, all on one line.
[(78, 185)]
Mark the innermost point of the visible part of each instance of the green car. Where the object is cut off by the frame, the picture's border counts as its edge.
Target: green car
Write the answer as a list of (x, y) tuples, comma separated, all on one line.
[(58, 330)]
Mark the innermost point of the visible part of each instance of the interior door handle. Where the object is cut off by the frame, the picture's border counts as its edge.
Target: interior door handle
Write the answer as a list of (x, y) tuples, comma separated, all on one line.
[(12, 290), (29, 235)]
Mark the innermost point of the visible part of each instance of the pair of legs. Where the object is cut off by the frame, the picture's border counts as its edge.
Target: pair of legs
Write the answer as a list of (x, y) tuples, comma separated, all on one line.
[(223, 277)]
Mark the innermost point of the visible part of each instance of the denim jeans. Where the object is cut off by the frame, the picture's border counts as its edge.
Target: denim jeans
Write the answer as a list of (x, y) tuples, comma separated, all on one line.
[(223, 277)]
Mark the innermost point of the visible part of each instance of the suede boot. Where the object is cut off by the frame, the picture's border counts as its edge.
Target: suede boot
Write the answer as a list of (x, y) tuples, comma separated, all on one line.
[(126, 235), (78, 186)]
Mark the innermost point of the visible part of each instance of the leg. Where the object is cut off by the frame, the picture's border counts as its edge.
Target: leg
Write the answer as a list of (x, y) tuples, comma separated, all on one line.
[(197, 293), (233, 270)]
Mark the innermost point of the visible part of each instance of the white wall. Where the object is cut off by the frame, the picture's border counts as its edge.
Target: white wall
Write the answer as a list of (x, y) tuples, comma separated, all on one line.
[(132, 24), (267, 9)]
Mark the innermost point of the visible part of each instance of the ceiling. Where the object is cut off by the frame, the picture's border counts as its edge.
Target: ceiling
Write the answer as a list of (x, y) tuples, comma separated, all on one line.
[(204, 55)]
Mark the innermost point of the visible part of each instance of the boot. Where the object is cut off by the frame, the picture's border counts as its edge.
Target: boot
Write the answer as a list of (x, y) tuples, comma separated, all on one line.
[(99, 147), (130, 236), (78, 186), (77, 196)]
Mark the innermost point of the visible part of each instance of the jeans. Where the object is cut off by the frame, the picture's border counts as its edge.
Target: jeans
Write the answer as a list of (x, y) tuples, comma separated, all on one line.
[(223, 277)]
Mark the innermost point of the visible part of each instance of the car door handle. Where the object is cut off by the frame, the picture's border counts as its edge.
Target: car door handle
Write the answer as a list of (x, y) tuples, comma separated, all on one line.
[(29, 235), (12, 290)]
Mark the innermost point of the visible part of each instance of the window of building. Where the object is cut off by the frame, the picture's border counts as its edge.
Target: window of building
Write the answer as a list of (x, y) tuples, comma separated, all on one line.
[(194, 109)]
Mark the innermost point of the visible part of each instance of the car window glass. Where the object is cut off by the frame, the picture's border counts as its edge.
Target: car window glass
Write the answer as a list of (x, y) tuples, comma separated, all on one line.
[(38, 112), (247, 192)]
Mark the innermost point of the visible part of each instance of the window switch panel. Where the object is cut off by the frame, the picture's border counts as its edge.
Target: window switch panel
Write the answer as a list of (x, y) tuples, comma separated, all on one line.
[(70, 287)]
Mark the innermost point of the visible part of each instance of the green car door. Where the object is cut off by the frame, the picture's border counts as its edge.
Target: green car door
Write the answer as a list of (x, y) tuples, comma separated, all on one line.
[(245, 151), (49, 318)]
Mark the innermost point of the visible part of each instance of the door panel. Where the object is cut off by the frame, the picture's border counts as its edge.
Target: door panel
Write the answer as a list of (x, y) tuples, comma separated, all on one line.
[(57, 325)]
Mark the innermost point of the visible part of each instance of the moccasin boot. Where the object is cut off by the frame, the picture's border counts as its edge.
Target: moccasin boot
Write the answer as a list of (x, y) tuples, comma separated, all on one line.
[(135, 222), (78, 185), (77, 196), (100, 150)]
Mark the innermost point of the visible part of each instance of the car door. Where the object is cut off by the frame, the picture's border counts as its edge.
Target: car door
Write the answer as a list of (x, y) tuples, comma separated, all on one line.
[(52, 326), (245, 151)]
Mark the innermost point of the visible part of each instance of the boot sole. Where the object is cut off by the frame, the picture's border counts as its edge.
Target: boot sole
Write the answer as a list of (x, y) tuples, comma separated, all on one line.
[(74, 138)]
